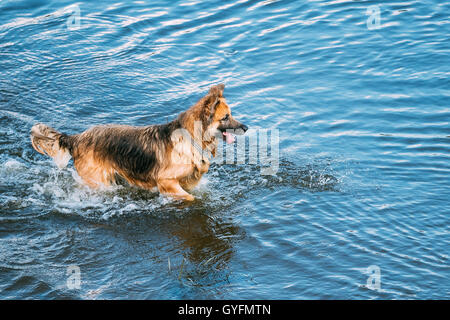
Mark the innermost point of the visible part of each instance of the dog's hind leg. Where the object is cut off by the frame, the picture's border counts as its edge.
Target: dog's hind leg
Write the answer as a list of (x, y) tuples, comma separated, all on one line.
[(172, 188), (93, 172)]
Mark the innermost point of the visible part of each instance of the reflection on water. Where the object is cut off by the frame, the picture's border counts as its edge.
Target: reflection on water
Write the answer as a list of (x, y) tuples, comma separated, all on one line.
[(201, 246)]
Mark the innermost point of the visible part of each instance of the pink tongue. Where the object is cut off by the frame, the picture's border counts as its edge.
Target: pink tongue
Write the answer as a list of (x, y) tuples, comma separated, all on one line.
[(229, 137)]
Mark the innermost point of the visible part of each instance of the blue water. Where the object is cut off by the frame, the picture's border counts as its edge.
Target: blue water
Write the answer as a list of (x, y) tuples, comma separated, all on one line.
[(363, 118)]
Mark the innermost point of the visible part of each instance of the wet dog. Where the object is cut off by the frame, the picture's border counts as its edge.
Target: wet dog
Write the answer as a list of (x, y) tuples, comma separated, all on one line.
[(171, 157)]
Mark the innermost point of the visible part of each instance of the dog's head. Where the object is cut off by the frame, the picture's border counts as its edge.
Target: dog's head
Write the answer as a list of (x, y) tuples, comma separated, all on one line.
[(217, 116)]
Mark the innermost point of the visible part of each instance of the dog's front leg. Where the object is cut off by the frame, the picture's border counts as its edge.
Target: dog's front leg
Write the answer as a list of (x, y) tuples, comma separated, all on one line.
[(172, 188)]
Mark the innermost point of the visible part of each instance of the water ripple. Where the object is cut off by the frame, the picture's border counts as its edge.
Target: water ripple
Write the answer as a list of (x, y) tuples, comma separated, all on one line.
[(364, 148)]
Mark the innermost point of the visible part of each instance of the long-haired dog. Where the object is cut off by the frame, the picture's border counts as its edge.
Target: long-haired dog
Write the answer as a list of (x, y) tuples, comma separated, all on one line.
[(172, 156)]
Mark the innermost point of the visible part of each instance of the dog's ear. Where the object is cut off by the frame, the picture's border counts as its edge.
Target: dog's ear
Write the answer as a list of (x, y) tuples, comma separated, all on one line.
[(209, 108), (210, 103), (217, 91), (214, 105)]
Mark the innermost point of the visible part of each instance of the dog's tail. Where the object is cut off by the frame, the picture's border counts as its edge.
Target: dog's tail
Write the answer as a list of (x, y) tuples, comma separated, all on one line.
[(48, 141)]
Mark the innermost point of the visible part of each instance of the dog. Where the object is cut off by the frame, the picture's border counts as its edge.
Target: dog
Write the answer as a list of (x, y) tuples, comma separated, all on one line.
[(171, 157)]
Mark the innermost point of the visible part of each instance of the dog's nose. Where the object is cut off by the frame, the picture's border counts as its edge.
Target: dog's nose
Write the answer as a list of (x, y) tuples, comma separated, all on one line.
[(244, 127)]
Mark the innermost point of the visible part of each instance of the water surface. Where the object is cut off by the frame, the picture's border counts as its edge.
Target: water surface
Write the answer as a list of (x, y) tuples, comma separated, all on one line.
[(363, 120)]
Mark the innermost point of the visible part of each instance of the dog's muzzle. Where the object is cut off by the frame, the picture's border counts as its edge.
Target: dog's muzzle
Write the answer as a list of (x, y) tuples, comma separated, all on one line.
[(237, 129)]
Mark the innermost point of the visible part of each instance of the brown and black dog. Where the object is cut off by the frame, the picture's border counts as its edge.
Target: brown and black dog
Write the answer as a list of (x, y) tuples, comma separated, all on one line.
[(169, 156)]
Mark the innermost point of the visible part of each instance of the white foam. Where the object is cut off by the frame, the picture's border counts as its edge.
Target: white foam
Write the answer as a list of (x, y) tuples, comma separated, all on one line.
[(12, 165), (62, 158)]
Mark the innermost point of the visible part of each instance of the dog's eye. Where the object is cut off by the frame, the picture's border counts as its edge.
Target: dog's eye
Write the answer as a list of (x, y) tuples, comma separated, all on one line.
[(226, 117)]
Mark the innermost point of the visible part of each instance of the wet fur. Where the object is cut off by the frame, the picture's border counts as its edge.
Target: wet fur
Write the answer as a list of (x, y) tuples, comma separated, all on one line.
[(147, 157)]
